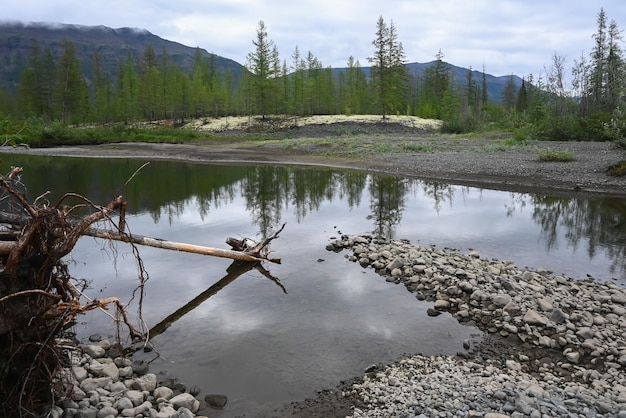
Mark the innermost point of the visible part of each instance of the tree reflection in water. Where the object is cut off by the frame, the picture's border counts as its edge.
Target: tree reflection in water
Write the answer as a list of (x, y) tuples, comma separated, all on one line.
[(165, 188)]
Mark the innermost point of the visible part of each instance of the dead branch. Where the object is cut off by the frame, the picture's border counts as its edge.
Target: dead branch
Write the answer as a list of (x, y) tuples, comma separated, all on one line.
[(252, 255)]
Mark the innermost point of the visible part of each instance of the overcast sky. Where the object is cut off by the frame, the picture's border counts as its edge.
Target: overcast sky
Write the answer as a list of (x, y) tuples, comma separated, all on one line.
[(506, 36)]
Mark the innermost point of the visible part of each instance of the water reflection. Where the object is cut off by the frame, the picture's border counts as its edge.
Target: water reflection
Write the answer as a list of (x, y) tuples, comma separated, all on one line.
[(166, 188)]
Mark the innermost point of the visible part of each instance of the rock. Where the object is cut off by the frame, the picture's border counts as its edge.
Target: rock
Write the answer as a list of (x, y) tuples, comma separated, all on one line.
[(93, 383), (216, 400), (147, 382), (545, 304), (94, 351), (135, 396), (80, 373), (185, 400), (441, 304), (163, 392), (140, 367), (619, 297), (585, 333), (432, 312), (501, 300), (533, 317), (573, 356), (183, 413), (557, 316), (106, 412)]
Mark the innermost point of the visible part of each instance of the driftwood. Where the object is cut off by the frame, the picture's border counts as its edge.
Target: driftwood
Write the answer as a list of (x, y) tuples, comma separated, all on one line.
[(239, 252), (37, 298)]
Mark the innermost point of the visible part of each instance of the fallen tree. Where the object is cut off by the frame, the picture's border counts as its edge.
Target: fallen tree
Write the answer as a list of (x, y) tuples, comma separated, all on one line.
[(38, 299)]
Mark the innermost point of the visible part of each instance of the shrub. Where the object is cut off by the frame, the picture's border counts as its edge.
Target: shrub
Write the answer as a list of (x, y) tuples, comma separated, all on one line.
[(617, 170), (549, 154)]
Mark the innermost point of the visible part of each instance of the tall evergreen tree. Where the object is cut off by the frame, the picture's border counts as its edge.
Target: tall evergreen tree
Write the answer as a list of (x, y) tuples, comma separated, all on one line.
[(388, 68), (102, 92), (71, 87), (261, 63)]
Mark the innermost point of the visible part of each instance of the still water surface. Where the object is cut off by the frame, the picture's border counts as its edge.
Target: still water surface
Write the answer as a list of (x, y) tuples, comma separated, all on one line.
[(323, 319)]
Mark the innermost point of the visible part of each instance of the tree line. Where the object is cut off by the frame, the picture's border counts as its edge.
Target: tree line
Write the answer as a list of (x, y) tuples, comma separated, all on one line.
[(589, 105)]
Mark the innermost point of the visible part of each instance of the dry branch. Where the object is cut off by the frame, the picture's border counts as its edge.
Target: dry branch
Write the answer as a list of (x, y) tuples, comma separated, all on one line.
[(180, 246)]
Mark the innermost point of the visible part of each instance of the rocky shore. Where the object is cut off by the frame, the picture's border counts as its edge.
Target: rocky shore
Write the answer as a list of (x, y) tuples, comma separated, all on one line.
[(565, 354), (102, 383)]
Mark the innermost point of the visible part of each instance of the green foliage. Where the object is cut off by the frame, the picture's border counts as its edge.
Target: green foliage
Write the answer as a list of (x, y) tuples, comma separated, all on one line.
[(551, 155), (425, 148), (617, 170)]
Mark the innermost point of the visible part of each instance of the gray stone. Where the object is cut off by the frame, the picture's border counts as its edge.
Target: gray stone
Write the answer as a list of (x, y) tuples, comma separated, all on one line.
[(557, 316), (397, 263), (163, 392), (146, 382), (135, 396), (533, 317), (92, 383), (183, 413), (165, 411), (80, 373), (501, 300), (545, 304), (585, 333), (619, 297), (140, 367), (110, 370), (124, 403), (573, 357), (94, 351), (106, 411), (216, 400), (185, 400), (441, 304)]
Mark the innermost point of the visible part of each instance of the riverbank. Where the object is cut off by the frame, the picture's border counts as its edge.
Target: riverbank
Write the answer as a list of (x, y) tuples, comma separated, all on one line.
[(521, 368), (415, 149), (557, 346), (553, 346)]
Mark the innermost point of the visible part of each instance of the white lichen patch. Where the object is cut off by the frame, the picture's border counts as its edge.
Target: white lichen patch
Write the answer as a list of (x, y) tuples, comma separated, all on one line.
[(243, 122)]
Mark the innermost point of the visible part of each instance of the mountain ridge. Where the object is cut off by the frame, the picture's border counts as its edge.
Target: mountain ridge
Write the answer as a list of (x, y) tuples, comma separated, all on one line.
[(113, 45)]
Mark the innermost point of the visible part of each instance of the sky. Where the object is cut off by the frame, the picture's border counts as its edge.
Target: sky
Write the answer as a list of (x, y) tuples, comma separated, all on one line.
[(502, 36)]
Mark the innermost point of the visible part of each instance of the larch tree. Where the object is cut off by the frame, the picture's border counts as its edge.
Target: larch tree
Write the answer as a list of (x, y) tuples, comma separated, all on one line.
[(262, 66), (388, 70), (71, 87)]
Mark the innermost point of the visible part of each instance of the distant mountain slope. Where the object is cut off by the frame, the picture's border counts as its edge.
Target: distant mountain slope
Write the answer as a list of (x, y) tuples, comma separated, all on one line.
[(16, 40), (495, 85)]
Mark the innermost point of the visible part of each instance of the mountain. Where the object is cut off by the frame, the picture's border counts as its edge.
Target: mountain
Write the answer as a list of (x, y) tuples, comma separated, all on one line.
[(113, 45), (16, 41), (495, 85)]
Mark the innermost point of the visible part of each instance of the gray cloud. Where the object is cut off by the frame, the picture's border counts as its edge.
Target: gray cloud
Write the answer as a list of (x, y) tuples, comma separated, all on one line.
[(507, 36)]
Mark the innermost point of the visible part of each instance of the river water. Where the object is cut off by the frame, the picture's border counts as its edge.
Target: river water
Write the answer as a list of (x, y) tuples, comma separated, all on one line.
[(266, 338)]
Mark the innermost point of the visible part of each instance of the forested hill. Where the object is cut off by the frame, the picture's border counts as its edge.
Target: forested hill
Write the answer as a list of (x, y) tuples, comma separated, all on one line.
[(113, 45), (495, 85)]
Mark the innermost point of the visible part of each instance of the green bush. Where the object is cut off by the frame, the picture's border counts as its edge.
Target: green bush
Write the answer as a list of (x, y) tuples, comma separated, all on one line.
[(549, 155), (617, 170)]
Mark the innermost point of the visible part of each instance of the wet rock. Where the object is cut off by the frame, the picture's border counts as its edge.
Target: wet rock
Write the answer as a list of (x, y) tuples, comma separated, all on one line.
[(216, 400), (185, 400)]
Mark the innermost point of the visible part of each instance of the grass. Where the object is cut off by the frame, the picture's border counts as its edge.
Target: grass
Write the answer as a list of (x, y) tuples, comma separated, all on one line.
[(418, 147), (551, 155)]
